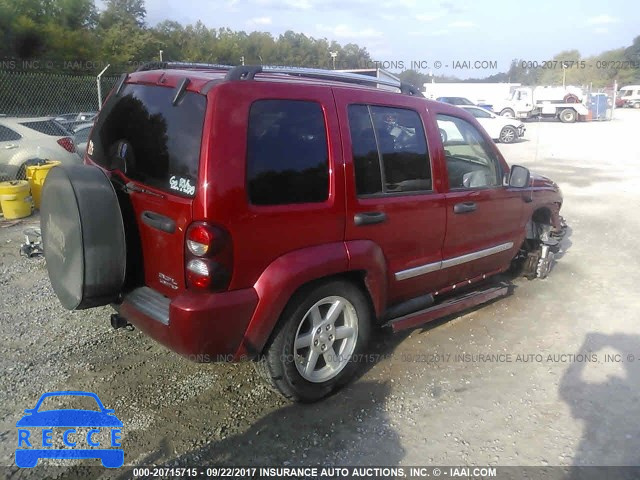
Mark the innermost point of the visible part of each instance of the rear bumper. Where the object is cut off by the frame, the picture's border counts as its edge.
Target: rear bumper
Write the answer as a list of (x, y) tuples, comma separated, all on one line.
[(203, 327)]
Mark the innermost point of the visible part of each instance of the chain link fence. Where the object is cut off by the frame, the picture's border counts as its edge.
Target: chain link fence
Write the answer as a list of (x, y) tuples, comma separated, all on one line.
[(37, 94), (68, 100)]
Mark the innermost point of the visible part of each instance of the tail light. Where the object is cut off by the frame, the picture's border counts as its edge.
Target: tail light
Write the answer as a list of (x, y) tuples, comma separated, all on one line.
[(208, 257), (67, 144)]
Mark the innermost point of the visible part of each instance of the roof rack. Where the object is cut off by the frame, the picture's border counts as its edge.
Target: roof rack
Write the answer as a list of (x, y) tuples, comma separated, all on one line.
[(182, 66), (248, 72)]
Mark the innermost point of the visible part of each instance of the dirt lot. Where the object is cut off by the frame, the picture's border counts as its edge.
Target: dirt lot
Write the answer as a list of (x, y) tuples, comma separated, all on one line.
[(420, 402)]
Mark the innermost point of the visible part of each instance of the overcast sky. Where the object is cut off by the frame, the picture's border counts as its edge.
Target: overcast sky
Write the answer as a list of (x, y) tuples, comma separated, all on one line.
[(428, 31)]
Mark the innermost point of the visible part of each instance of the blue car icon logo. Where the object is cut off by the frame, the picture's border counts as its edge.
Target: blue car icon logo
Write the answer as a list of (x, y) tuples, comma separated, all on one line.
[(34, 445)]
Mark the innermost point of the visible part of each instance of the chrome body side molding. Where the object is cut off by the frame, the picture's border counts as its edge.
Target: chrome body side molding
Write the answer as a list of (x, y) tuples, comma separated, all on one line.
[(451, 262)]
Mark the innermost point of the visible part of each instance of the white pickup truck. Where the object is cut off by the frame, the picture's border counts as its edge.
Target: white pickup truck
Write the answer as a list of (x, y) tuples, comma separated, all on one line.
[(551, 102)]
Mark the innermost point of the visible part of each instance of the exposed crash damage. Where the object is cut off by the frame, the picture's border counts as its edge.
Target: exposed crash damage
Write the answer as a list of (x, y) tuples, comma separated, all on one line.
[(544, 233)]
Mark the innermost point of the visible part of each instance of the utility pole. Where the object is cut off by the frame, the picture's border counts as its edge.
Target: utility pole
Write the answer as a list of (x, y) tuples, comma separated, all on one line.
[(160, 55), (242, 59), (100, 86), (333, 57)]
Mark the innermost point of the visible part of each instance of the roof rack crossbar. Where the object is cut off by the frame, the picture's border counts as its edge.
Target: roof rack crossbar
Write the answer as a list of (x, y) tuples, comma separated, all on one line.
[(243, 72)]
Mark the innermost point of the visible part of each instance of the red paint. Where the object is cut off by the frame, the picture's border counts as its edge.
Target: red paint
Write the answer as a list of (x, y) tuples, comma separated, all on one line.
[(200, 324)]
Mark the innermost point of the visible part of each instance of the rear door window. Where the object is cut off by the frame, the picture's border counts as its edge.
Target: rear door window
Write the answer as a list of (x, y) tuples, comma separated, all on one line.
[(389, 150), (287, 154), (141, 133)]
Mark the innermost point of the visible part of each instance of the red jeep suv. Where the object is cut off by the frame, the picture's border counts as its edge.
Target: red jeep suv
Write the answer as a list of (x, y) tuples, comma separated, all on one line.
[(278, 214)]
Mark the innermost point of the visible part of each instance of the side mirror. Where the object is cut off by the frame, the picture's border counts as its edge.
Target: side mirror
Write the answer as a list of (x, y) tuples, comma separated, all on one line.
[(519, 177)]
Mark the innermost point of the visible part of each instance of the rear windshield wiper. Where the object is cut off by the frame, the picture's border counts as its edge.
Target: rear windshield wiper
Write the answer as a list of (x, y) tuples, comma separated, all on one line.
[(132, 187)]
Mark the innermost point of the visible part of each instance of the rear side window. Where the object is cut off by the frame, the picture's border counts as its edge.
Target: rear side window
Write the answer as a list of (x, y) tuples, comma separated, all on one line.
[(8, 135), (287, 154), (389, 150), (82, 135), (141, 133), (48, 127)]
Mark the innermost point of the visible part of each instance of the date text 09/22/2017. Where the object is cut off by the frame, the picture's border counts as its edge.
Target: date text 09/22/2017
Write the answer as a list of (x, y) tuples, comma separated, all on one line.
[(579, 64)]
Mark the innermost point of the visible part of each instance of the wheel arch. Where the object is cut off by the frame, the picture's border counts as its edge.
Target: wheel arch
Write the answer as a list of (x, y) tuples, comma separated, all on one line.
[(296, 272), (540, 216)]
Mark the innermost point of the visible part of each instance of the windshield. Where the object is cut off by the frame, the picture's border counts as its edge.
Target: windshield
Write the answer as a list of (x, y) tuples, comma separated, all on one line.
[(141, 133)]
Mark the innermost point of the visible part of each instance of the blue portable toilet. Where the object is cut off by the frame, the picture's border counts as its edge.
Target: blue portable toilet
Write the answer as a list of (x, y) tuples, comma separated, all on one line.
[(598, 106)]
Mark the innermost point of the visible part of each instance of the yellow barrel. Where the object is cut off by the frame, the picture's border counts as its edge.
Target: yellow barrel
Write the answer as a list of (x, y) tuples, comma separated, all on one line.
[(15, 199), (36, 175)]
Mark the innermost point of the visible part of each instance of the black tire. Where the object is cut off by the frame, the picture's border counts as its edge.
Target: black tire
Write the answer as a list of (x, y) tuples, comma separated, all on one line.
[(277, 365), (443, 135), (21, 173), (508, 134), (568, 115), (571, 98), (83, 236), (507, 112)]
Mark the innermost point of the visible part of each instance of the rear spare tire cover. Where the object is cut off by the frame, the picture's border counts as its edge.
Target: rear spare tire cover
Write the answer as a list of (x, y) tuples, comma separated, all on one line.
[(83, 236)]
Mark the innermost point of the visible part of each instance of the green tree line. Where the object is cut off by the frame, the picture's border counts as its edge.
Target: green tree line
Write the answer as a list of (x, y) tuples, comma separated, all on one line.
[(76, 32)]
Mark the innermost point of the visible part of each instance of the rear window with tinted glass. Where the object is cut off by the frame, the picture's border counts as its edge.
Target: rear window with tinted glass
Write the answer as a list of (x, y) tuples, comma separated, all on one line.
[(48, 127), (142, 133), (287, 155)]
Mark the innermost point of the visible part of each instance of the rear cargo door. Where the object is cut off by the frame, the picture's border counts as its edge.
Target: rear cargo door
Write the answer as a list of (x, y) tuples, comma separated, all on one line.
[(152, 146)]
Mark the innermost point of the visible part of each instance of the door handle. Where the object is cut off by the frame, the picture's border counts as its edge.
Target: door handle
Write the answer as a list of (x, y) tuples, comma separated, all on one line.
[(464, 207), (158, 221), (369, 218)]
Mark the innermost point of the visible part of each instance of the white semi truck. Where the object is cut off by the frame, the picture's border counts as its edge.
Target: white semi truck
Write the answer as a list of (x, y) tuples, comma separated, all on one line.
[(563, 103)]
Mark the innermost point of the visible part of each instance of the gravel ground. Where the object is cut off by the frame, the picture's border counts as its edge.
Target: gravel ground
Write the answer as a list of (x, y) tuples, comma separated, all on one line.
[(419, 402)]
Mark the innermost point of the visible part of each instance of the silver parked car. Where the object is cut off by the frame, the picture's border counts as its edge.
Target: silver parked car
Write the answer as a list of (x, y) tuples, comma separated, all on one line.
[(73, 120), (28, 140), (81, 137)]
